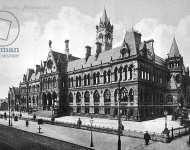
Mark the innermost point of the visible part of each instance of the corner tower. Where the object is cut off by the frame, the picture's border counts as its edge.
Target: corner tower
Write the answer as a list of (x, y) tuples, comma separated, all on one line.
[(104, 32)]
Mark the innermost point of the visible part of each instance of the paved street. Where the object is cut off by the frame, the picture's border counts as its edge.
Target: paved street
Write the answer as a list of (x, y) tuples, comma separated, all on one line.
[(102, 141)]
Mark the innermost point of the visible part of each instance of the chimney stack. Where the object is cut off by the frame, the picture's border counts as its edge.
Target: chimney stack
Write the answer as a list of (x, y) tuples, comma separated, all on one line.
[(88, 52), (67, 47), (37, 68), (98, 48), (44, 64)]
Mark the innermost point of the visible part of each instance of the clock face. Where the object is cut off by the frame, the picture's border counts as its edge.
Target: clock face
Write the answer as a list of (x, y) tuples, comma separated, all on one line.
[(49, 64)]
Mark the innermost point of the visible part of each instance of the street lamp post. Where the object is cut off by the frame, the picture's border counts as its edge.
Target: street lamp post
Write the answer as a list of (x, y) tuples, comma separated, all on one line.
[(119, 119), (165, 113), (166, 131), (91, 139), (9, 108)]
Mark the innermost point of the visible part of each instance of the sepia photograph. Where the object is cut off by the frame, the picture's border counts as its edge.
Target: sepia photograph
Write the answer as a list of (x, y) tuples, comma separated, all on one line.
[(94, 75)]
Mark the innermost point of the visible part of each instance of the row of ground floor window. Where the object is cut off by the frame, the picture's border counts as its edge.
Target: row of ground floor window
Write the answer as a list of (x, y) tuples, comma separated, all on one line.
[(128, 113)]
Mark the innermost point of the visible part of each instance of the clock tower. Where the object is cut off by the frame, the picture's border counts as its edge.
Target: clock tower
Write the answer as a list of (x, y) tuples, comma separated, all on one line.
[(104, 32)]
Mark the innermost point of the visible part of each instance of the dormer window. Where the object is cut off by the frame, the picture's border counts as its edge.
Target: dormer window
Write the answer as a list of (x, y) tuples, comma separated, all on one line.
[(125, 50)]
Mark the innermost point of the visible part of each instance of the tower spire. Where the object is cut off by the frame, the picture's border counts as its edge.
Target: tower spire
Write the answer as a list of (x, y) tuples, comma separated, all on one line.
[(104, 32), (104, 18), (174, 51)]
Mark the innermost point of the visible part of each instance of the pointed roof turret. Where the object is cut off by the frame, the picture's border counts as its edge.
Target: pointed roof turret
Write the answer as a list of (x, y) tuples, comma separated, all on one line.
[(104, 18), (174, 51)]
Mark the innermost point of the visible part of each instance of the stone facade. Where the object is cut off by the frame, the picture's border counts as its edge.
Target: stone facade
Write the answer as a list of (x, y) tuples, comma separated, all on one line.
[(147, 84)]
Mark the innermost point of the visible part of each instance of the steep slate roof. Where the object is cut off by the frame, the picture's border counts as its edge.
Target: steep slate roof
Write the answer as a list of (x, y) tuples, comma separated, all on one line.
[(103, 57), (60, 59), (131, 41), (159, 60), (174, 51), (35, 76), (172, 84)]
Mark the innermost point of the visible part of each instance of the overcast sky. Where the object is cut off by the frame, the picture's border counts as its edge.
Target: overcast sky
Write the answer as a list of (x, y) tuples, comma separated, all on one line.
[(42, 20)]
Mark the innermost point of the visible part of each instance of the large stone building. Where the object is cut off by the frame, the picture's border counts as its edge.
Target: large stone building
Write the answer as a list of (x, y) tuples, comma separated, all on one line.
[(147, 83)]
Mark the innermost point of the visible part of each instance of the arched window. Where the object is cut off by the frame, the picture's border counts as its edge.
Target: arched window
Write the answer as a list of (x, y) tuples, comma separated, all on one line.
[(79, 84), (120, 73), (124, 94), (72, 81), (33, 100), (69, 82), (116, 95), (107, 96), (125, 72), (48, 83), (94, 78), (115, 74), (78, 97), (169, 99), (109, 76), (88, 79), (96, 96), (131, 95), (70, 97), (105, 76), (54, 82), (98, 77), (87, 97), (77, 81), (130, 72), (85, 80)]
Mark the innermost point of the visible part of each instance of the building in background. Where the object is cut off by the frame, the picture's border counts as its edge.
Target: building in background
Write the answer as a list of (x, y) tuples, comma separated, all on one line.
[(15, 101), (4, 104), (149, 84)]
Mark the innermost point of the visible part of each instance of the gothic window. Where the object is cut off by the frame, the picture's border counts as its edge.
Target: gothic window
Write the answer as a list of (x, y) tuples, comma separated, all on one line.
[(79, 81), (116, 95), (33, 99), (96, 96), (124, 94), (169, 99), (70, 97), (87, 97), (94, 78), (54, 82), (130, 72), (105, 76), (76, 81), (131, 95), (72, 81), (96, 110), (107, 96), (115, 74), (85, 80), (88, 79), (49, 82), (78, 97), (109, 76), (125, 72), (98, 77), (120, 73)]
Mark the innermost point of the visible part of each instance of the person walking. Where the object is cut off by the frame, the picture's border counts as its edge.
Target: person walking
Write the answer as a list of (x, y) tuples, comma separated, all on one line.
[(146, 138), (79, 122)]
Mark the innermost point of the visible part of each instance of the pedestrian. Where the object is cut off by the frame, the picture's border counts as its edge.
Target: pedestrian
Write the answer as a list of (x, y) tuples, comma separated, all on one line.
[(27, 123), (146, 138), (5, 115), (79, 122)]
